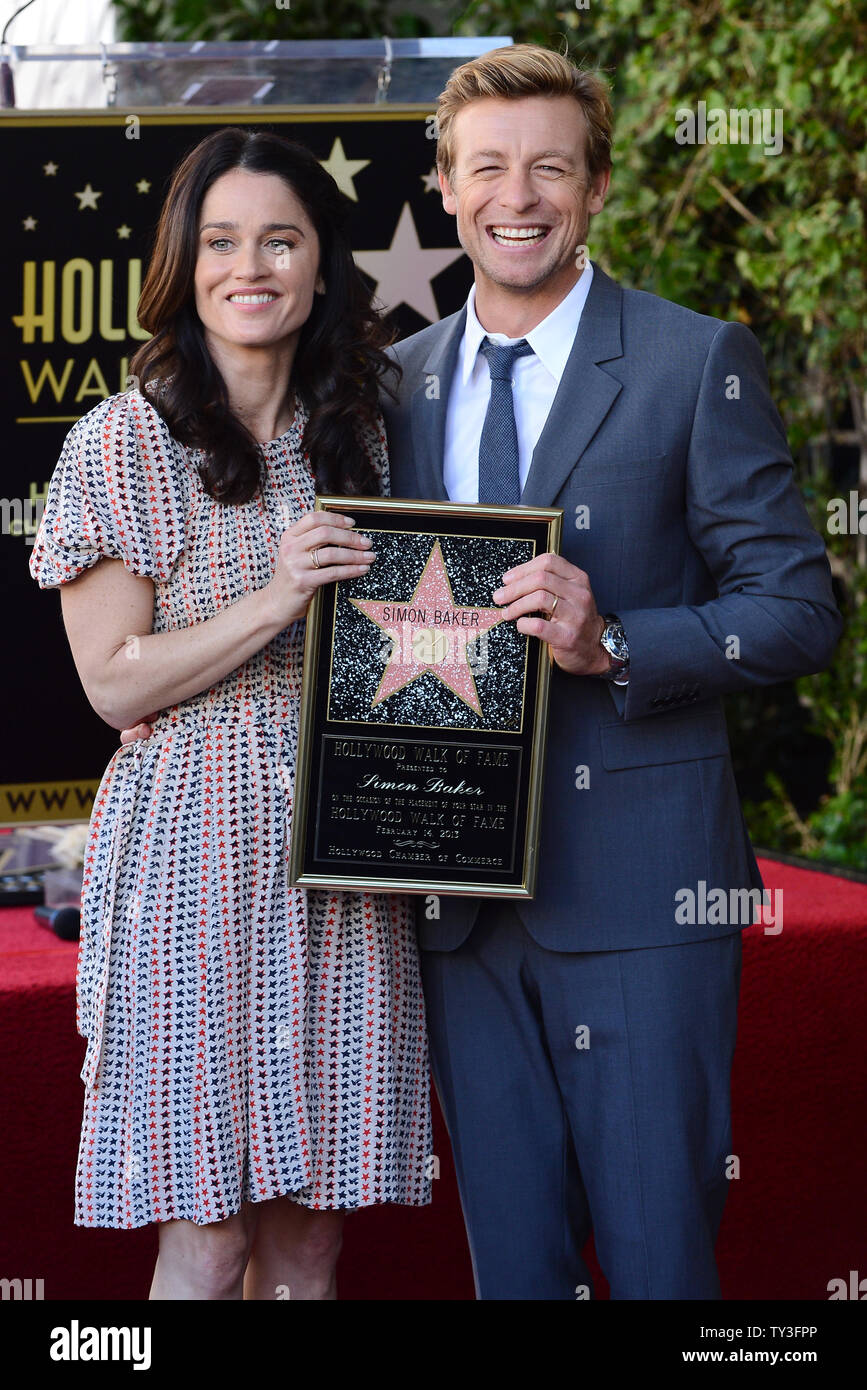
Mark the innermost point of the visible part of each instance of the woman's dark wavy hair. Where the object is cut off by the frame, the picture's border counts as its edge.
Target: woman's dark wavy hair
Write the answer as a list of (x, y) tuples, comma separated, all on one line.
[(340, 362)]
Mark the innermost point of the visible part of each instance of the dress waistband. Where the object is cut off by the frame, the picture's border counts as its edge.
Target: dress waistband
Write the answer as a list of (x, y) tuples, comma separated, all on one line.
[(282, 710)]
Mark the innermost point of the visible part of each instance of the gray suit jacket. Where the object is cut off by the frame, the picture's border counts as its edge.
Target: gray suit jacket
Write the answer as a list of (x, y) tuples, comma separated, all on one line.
[(697, 537)]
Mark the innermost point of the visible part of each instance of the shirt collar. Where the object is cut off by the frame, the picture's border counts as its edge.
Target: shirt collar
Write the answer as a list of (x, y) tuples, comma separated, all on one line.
[(551, 340)]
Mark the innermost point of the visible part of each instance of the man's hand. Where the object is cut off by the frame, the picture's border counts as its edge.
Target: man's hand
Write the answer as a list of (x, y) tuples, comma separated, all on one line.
[(576, 626), (142, 730)]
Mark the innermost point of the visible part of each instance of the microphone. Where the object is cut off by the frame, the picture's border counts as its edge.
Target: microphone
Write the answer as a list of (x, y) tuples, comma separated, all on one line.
[(7, 86), (7, 81), (65, 922)]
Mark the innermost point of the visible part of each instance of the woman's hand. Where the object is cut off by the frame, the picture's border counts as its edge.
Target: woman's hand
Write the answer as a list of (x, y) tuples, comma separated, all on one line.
[(142, 730), (102, 607), (317, 550)]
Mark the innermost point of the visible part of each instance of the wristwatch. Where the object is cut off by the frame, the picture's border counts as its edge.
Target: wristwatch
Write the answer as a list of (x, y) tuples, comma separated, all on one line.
[(613, 639)]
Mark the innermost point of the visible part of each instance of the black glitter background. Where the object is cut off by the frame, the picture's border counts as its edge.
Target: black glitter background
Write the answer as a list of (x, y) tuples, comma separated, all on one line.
[(475, 567)]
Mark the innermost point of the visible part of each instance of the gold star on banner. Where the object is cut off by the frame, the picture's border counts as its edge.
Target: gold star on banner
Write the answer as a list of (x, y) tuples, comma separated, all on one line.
[(403, 273), (50, 168), (29, 224), (343, 170), (87, 198), (430, 181), (123, 232), (143, 186)]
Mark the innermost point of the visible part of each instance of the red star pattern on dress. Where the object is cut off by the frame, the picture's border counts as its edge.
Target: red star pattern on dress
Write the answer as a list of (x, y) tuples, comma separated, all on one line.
[(246, 1040)]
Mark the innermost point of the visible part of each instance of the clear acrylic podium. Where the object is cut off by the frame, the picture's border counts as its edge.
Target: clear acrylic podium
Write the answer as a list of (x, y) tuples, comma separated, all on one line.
[(329, 73)]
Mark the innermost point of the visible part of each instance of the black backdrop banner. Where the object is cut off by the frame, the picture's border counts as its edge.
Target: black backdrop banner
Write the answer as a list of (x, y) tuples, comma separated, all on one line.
[(81, 211)]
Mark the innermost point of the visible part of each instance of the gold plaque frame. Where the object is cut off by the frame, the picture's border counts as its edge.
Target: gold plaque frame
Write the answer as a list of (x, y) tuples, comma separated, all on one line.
[(520, 748)]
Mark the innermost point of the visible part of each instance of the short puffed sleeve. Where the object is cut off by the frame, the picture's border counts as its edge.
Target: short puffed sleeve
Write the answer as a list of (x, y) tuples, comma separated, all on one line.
[(120, 491)]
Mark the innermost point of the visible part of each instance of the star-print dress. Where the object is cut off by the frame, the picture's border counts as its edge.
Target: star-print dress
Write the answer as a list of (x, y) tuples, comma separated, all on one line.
[(245, 1040)]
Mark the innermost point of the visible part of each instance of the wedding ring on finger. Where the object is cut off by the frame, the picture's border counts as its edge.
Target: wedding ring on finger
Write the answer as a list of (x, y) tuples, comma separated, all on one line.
[(551, 611), (314, 555)]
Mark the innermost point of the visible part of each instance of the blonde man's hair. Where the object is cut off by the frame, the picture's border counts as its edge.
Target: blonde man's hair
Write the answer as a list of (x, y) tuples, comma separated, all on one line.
[(526, 70)]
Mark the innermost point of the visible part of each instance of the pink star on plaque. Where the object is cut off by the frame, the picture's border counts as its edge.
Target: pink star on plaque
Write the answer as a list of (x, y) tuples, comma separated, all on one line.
[(430, 633)]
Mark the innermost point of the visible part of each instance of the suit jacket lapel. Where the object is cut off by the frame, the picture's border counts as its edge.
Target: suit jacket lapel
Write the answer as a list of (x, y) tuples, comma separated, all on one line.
[(584, 397), (429, 404)]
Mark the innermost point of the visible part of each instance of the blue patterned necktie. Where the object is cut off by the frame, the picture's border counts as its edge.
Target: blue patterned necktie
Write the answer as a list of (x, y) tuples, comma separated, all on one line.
[(499, 479)]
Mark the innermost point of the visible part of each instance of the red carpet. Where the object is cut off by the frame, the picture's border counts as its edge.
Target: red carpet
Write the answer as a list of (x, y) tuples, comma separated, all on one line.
[(795, 1217)]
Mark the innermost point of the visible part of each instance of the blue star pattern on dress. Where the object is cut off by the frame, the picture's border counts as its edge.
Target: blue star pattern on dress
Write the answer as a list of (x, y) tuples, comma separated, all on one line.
[(246, 1040)]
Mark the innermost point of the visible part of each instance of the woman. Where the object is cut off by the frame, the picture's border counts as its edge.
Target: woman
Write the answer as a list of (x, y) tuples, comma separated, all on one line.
[(256, 1058)]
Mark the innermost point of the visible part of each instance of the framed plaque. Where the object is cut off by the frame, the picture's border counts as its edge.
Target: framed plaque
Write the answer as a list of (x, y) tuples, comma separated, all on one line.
[(424, 713)]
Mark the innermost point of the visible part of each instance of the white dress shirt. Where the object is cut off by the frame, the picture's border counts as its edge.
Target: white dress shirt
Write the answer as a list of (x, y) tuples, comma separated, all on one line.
[(534, 386)]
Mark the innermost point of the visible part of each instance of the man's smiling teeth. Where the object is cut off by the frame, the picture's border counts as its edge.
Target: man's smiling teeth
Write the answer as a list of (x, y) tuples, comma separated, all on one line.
[(503, 235), (251, 298)]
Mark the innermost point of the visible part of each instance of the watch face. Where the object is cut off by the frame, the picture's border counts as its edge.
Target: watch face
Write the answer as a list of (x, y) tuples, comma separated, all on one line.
[(614, 642)]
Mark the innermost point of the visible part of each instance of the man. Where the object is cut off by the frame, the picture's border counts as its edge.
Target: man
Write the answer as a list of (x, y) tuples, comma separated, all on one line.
[(582, 1042)]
